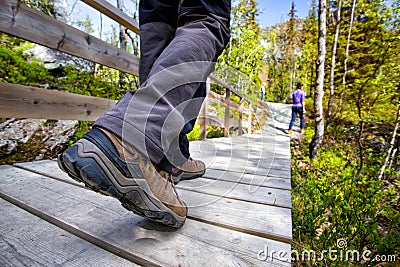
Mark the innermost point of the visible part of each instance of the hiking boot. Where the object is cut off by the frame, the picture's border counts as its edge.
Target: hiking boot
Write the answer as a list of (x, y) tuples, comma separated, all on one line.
[(191, 169), (104, 164), (289, 131), (302, 131)]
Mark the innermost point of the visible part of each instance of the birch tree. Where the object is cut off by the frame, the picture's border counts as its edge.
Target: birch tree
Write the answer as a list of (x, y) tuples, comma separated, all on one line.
[(319, 88), (332, 74), (347, 54), (392, 150)]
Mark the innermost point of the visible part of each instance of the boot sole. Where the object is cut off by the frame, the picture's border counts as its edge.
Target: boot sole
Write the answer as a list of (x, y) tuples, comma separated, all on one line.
[(99, 174), (187, 176)]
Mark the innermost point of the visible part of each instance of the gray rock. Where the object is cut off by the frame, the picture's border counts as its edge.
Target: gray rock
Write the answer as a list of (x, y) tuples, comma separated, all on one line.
[(53, 59), (56, 134), (14, 132)]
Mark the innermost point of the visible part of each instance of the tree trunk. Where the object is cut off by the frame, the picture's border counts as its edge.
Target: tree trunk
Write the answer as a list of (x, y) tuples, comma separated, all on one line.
[(101, 25), (274, 81), (332, 77), (312, 84), (347, 54), (391, 152), (319, 88)]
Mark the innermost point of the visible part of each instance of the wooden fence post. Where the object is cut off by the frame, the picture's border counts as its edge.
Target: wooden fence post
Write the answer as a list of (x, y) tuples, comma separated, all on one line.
[(203, 113), (227, 111), (249, 119), (241, 105)]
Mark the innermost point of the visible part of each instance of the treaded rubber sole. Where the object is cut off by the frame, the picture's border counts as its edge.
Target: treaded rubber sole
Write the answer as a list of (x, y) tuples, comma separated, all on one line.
[(87, 170), (187, 176)]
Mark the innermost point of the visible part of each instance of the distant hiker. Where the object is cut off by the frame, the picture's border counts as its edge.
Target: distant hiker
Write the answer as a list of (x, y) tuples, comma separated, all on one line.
[(298, 107), (262, 93)]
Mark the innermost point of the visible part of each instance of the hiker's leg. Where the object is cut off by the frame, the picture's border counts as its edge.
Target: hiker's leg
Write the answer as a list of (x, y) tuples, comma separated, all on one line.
[(301, 112), (294, 114), (157, 28), (152, 118)]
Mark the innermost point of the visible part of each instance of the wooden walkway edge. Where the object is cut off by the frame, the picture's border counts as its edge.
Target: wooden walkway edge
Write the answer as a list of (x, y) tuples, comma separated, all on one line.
[(239, 211)]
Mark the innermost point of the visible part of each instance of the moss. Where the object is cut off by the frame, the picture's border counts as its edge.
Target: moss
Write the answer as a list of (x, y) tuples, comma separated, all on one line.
[(29, 151), (83, 127)]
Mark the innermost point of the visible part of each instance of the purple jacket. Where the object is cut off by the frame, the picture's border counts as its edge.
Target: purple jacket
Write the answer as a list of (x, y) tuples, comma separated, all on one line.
[(298, 98)]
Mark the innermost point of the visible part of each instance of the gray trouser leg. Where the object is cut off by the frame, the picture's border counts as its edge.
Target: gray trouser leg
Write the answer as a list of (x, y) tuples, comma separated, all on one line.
[(152, 118), (154, 38)]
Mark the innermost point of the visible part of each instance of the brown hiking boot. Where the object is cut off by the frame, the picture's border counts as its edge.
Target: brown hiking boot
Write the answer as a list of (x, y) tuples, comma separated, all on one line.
[(104, 164), (191, 169), (302, 131), (289, 131)]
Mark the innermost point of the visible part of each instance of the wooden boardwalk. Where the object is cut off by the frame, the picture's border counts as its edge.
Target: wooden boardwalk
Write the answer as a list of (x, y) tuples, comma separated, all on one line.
[(239, 214)]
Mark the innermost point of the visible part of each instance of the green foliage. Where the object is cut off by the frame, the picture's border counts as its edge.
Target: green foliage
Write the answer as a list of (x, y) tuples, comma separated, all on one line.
[(244, 53), (83, 127), (215, 132), (15, 68), (79, 82), (25, 151), (194, 134), (212, 132), (331, 203), (45, 6), (289, 55), (339, 194)]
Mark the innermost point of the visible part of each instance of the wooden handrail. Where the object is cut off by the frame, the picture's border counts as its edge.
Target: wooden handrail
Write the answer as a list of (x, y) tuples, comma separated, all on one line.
[(114, 13), (21, 21), (20, 101), (225, 85)]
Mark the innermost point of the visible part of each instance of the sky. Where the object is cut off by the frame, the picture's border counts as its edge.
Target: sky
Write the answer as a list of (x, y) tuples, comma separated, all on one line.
[(275, 11)]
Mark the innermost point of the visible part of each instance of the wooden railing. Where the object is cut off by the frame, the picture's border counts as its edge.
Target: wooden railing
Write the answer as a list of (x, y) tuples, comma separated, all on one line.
[(18, 101)]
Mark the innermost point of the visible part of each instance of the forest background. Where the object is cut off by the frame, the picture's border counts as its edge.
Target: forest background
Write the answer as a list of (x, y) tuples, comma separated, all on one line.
[(346, 187)]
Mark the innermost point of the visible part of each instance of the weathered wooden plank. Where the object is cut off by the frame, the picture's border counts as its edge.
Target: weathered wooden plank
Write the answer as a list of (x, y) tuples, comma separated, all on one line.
[(114, 13), (257, 219), (246, 166), (245, 155), (238, 191), (21, 21), (18, 101), (267, 221), (258, 142), (248, 179), (50, 168), (27, 240), (252, 191), (104, 222), (270, 162), (240, 147)]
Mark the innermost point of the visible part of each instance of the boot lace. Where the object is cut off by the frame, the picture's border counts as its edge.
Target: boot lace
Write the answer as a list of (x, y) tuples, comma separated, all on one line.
[(169, 180)]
